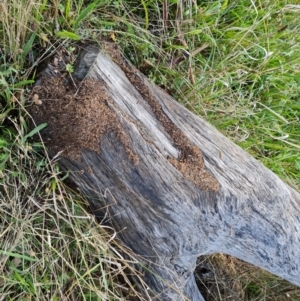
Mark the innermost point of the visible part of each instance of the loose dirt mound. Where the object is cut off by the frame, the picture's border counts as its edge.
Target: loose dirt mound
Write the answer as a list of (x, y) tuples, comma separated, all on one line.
[(77, 115)]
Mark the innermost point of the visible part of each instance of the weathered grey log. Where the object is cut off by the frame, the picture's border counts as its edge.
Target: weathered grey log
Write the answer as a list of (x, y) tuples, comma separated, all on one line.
[(142, 181)]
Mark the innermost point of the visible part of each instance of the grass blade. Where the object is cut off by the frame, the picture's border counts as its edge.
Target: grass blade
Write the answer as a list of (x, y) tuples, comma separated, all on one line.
[(83, 14), (16, 255), (34, 131), (146, 15), (28, 45), (68, 35)]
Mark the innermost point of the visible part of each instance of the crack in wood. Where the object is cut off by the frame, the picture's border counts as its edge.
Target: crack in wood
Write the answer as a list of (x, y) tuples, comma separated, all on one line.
[(190, 162)]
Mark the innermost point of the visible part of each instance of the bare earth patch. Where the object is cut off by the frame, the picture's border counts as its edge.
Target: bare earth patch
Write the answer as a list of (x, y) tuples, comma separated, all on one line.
[(77, 116)]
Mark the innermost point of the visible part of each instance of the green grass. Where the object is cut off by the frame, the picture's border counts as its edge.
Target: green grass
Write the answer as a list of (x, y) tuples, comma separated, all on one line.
[(235, 63), (51, 247)]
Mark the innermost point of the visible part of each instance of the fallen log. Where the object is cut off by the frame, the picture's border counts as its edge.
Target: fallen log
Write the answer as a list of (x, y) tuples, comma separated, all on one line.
[(170, 184)]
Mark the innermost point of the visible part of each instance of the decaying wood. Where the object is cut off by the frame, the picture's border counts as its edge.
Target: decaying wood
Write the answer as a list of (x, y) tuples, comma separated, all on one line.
[(170, 184)]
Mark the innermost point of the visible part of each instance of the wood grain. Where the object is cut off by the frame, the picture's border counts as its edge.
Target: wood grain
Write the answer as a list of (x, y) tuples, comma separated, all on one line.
[(160, 213)]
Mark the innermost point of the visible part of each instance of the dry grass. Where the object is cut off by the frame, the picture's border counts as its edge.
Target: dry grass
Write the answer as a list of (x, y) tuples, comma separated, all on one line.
[(51, 247), (222, 277)]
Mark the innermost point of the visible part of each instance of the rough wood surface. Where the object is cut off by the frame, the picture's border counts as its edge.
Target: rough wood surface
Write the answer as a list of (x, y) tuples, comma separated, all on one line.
[(170, 184)]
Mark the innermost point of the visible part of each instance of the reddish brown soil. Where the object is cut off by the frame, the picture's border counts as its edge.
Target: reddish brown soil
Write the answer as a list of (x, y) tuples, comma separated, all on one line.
[(77, 116)]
